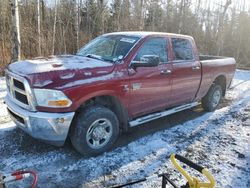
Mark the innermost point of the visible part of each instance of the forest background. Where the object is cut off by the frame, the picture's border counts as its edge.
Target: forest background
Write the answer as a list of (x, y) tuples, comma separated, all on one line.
[(31, 28)]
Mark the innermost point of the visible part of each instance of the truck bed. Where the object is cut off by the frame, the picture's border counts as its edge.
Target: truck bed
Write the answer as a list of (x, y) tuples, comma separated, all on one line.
[(210, 57), (212, 68)]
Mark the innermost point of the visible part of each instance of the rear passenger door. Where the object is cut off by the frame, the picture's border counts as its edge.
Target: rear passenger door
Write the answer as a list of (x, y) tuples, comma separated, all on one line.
[(186, 72)]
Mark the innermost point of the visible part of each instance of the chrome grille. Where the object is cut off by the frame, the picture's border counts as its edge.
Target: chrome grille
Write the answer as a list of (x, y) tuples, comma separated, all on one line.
[(19, 91)]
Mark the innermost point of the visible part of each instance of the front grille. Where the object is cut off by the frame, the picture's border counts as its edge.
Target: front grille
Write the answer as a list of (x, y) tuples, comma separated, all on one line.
[(18, 84), (16, 117), (21, 97), (17, 89)]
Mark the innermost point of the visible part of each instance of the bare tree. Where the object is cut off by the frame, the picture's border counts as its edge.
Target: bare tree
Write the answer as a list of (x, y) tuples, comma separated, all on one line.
[(141, 19), (116, 13), (101, 14), (139, 13), (182, 4), (77, 22), (15, 39), (220, 28), (39, 26), (54, 28)]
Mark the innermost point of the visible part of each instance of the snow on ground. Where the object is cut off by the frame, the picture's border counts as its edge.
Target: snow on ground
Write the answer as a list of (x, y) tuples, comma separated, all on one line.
[(5, 121), (219, 141)]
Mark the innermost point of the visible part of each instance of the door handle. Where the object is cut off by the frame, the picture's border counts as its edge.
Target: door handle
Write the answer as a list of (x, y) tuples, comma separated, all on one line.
[(166, 71), (196, 68)]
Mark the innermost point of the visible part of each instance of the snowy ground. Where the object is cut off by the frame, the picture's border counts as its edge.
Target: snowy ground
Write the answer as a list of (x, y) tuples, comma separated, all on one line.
[(219, 141)]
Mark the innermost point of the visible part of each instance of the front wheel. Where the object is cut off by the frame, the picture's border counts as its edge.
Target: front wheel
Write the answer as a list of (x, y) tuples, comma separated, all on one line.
[(95, 131), (212, 99)]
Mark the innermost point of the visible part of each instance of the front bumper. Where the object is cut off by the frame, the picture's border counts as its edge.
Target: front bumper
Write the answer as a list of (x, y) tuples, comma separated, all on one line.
[(49, 127)]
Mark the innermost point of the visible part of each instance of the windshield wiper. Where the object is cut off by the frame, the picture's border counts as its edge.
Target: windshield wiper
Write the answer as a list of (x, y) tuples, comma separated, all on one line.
[(98, 57), (94, 56)]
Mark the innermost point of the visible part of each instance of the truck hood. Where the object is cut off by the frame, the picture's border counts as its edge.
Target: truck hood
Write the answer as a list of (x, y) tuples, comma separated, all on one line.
[(54, 70)]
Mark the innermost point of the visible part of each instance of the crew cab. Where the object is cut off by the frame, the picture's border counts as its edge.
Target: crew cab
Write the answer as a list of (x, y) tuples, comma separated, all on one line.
[(117, 81)]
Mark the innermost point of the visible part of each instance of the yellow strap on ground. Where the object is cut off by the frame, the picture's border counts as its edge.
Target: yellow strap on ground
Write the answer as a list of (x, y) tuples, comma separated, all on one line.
[(210, 177), (193, 181), (181, 170)]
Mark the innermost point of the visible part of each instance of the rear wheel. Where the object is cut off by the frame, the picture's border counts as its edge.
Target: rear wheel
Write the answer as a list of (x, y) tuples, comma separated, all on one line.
[(95, 131), (212, 99)]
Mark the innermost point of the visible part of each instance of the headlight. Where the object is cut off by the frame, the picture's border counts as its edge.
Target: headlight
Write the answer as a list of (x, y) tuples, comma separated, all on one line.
[(51, 98)]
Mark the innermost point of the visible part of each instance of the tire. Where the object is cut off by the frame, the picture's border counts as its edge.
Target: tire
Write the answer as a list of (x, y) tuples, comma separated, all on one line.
[(212, 99), (95, 130)]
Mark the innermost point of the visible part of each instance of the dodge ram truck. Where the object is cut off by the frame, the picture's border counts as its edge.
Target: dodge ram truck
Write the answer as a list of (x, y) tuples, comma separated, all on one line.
[(115, 82)]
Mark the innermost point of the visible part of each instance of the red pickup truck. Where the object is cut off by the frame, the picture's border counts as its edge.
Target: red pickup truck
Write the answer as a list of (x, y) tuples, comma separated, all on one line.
[(117, 81)]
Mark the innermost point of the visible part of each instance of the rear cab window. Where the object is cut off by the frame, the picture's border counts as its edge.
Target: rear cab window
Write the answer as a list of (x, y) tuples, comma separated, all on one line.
[(182, 49)]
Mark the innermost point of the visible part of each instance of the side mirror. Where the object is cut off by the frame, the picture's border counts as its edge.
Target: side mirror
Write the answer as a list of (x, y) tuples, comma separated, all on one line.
[(147, 61)]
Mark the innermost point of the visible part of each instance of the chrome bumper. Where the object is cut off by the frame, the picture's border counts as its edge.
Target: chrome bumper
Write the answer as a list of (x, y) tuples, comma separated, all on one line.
[(49, 127)]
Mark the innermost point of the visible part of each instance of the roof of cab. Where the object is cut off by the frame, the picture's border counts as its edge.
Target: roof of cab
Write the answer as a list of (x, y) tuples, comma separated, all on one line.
[(142, 34)]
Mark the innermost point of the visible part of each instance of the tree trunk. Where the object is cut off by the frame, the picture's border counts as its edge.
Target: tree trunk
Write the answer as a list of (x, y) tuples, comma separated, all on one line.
[(39, 27), (15, 39), (54, 28), (101, 9), (168, 23), (141, 26), (181, 16), (77, 23)]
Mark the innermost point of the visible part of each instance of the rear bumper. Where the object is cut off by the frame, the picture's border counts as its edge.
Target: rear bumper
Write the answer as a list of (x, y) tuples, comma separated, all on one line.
[(49, 127)]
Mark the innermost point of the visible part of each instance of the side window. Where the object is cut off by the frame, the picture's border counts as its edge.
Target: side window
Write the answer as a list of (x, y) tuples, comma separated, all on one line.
[(182, 49), (153, 46)]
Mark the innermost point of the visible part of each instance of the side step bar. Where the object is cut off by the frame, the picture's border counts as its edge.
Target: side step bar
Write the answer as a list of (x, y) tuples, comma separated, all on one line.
[(157, 115)]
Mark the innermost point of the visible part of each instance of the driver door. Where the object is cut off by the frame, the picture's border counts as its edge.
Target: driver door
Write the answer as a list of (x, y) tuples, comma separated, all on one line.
[(150, 86)]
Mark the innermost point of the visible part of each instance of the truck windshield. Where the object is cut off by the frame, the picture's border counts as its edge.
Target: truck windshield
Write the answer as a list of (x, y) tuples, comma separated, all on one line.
[(108, 48)]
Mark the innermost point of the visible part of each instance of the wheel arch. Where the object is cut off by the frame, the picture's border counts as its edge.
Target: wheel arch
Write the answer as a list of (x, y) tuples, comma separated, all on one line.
[(221, 80), (111, 102)]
